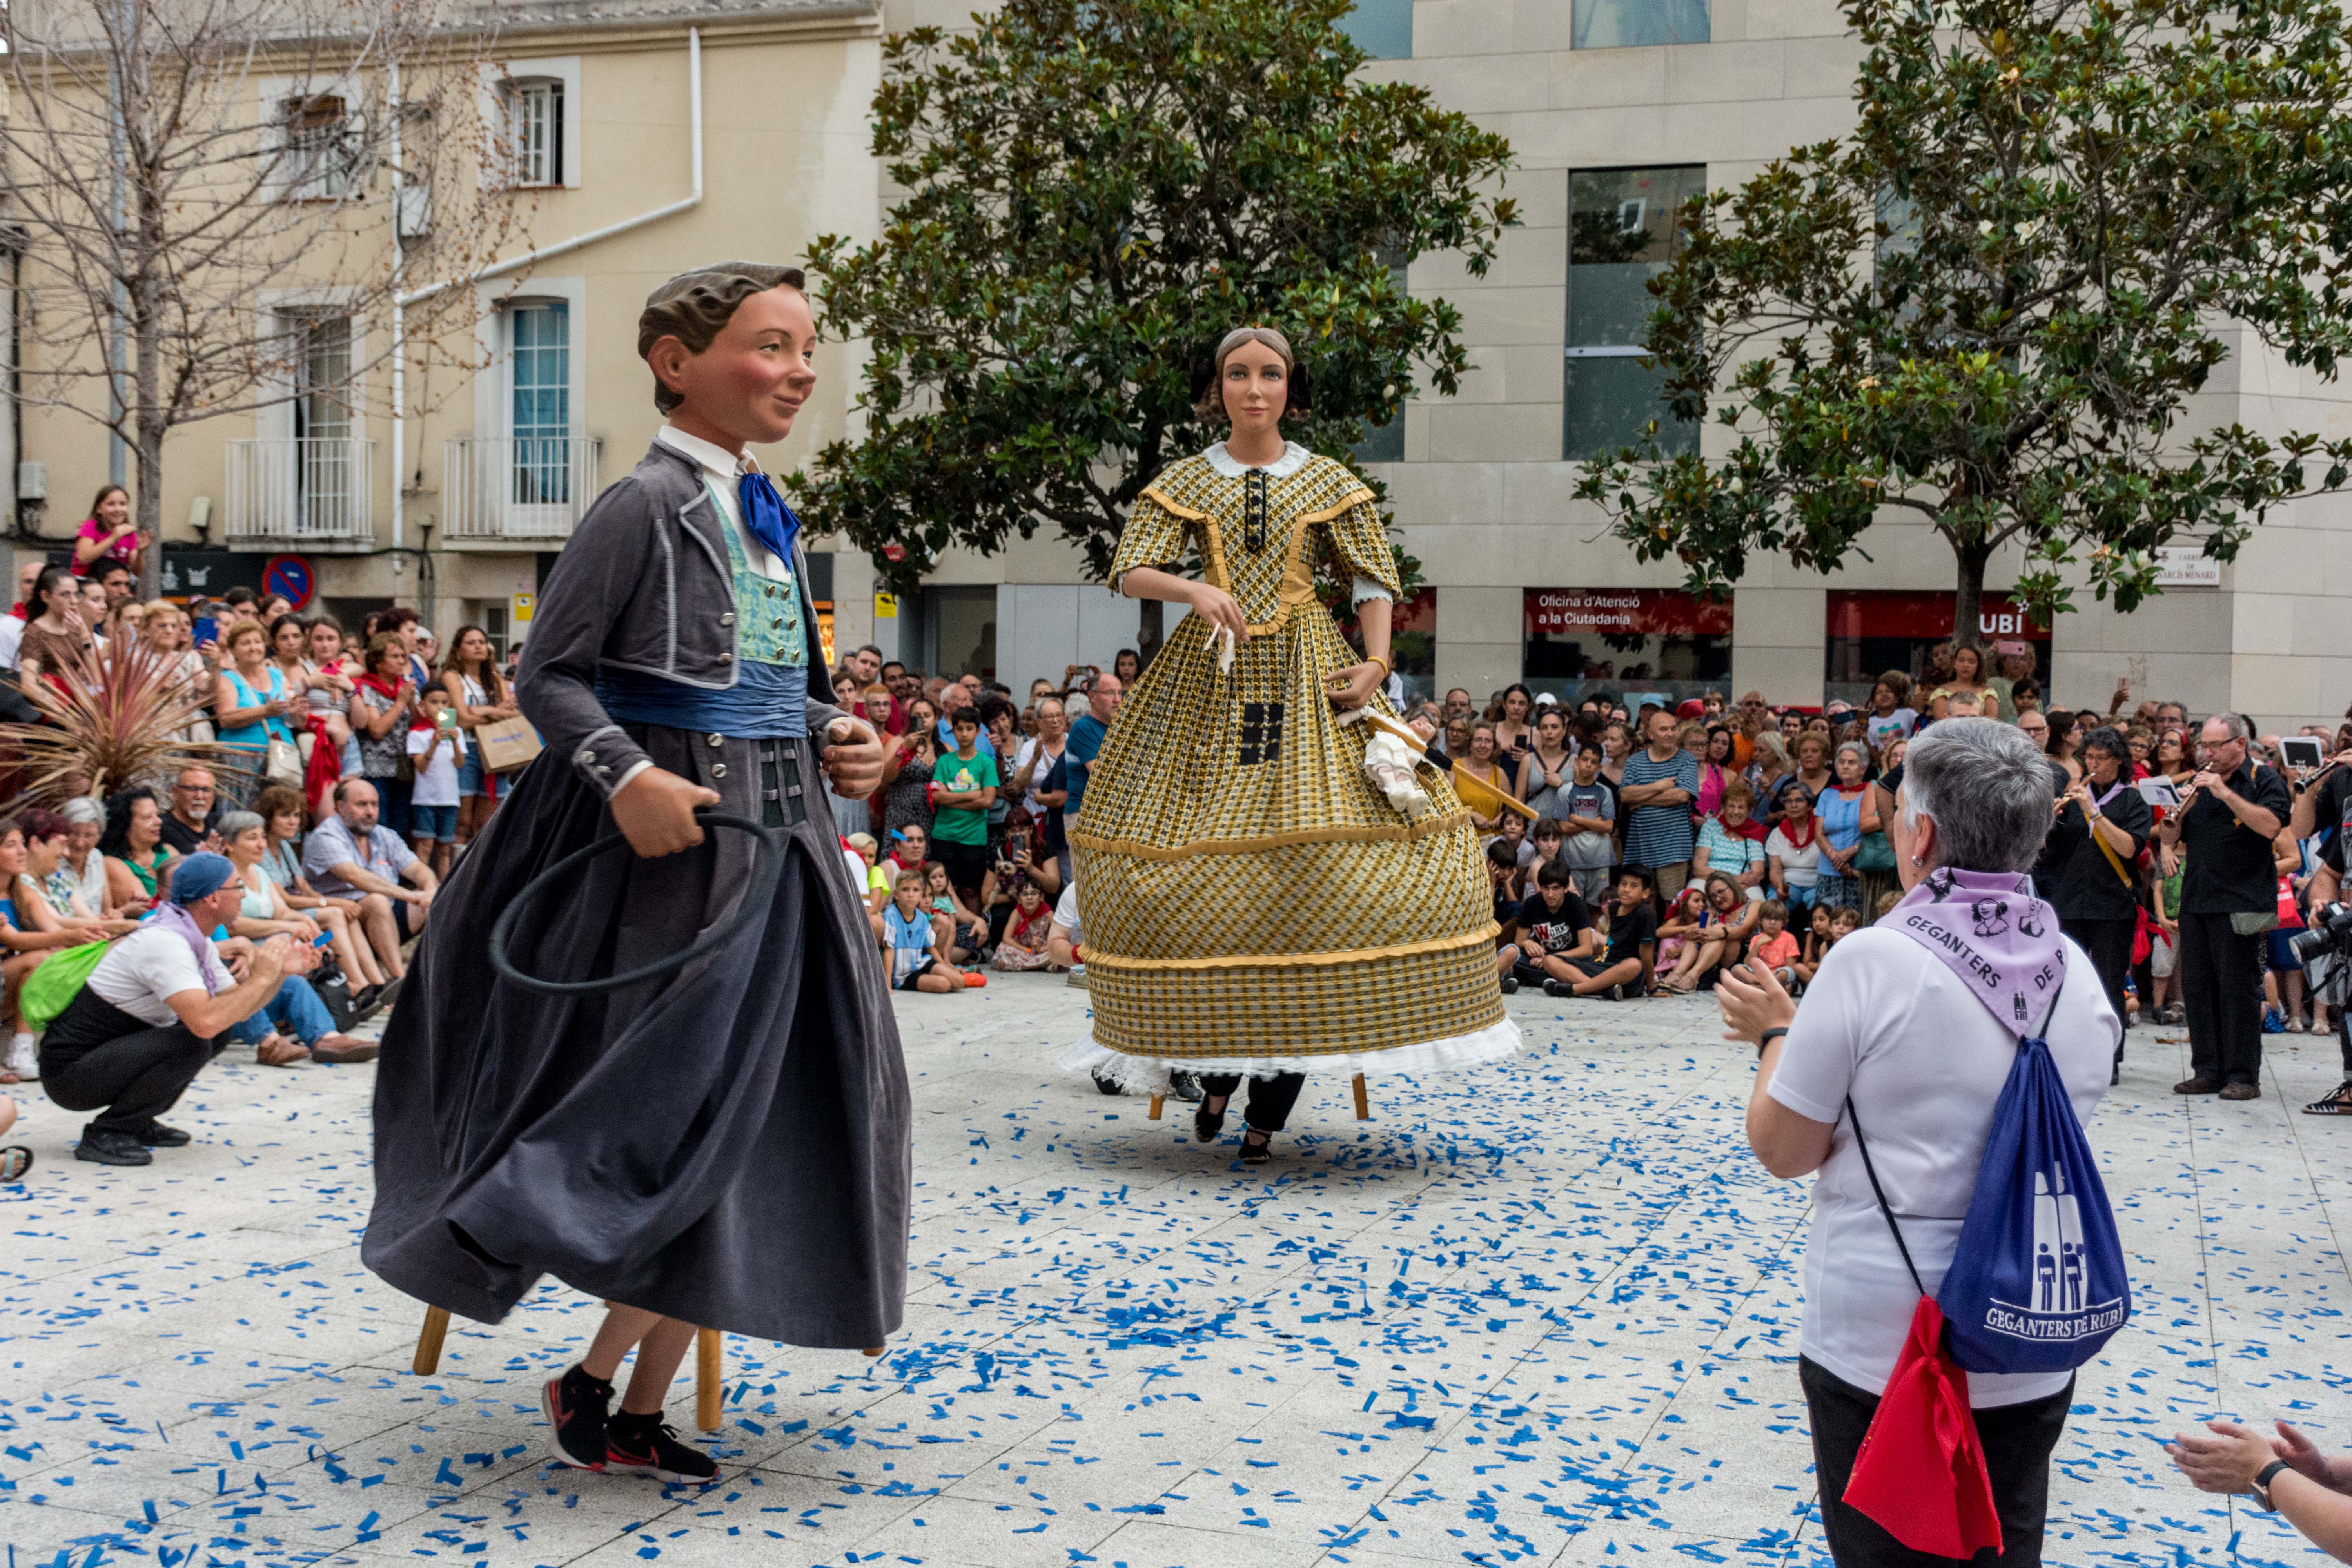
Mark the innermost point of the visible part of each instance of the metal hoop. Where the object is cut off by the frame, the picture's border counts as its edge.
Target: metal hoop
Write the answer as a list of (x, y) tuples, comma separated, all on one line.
[(767, 870)]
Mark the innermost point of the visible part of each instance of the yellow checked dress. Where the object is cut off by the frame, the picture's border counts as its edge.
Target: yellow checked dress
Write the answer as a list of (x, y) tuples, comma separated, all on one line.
[(1250, 900)]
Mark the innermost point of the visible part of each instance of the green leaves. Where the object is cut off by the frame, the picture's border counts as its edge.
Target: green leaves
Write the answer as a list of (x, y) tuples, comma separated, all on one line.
[(1096, 191), (1992, 305)]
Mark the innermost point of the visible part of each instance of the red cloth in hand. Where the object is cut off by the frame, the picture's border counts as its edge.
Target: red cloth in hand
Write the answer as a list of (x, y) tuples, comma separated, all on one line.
[(1921, 1473), (325, 768)]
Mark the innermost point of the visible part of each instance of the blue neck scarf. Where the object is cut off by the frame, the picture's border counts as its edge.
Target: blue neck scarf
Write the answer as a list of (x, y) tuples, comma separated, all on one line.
[(772, 523)]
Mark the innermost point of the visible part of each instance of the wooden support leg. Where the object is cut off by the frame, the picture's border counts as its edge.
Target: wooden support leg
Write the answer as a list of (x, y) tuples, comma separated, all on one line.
[(1156, 1101), (428, 1340), (709, 1379), (877, 1350), (1363, 1100)]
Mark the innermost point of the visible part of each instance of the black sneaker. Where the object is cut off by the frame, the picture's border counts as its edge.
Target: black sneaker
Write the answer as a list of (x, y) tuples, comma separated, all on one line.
[(574, 1406), (1184, 1086), (1558, 988), (159, 1136), (104, 1147), (386, 996), (648, 1446), (363, 1002), (1510, 985), (1617, 992), (1106, 1085)]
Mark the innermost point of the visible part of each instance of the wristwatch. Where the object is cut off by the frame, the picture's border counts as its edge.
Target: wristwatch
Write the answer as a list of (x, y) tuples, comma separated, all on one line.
[(2261, 1487)]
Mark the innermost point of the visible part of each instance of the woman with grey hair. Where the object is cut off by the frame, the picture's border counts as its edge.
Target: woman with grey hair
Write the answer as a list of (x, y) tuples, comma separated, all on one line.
[(83, 861), (1910, 1028), (1847, 812)]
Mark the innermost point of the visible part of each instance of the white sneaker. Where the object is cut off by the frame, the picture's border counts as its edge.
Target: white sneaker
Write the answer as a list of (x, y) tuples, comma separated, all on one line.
[(24, 1059), (1077, 980)]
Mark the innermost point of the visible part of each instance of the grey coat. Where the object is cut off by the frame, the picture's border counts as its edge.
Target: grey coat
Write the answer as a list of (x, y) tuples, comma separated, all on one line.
[(643, 584)]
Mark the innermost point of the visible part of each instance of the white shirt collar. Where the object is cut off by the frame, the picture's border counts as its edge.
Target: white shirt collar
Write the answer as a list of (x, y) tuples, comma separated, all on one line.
[(716, 460), (1294, 457)]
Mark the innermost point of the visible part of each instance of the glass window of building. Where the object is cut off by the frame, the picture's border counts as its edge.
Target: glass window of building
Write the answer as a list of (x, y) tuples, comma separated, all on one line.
[(1629, 23), (1660, 642), (1381, 29), (535, 131), (1622, 232), (1385, 443), (1873, 630), (541, 473)]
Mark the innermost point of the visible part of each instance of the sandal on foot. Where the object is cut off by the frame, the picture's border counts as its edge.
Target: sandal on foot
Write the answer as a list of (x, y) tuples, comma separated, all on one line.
[(1258, 1147), (15, 1160), (1207, 1124), (2337, 1103)]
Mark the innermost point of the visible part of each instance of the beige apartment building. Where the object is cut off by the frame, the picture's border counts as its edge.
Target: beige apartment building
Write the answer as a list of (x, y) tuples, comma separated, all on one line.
[(646, 139), (1616, 109)]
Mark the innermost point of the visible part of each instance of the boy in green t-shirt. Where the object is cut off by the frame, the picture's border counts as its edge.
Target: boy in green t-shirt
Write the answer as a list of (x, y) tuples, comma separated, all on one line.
[(963, 786)]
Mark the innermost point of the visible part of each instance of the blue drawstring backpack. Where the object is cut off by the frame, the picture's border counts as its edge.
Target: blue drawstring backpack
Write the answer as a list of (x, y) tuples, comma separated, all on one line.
[(2037, 1283)]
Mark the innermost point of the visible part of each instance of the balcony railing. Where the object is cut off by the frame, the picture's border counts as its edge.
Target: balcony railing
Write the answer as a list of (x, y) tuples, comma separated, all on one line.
[(312, 490), (514, 487)]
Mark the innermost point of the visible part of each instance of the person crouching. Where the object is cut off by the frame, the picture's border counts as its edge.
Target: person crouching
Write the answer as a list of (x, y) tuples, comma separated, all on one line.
[(146, 1022)]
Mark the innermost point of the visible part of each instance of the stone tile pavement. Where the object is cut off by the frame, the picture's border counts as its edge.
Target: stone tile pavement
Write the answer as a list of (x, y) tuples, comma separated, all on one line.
[(1543, 1314)]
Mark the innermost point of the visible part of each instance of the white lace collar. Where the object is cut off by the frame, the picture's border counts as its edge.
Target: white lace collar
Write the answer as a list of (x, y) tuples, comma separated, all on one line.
[(1294, 457)]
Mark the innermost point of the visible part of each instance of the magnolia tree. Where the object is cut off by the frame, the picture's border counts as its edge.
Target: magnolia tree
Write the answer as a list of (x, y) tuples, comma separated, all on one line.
[(1987, 309), (205, 185), (1097, 192)]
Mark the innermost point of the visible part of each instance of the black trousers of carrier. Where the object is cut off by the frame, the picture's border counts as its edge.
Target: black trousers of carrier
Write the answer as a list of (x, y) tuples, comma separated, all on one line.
[(96, 1057), (2221, 979), (2109, 945), (2017, 1441), (1270, 1099)]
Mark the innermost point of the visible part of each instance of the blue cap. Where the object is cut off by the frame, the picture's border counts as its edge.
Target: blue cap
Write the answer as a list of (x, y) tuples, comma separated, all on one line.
[(200, 876)]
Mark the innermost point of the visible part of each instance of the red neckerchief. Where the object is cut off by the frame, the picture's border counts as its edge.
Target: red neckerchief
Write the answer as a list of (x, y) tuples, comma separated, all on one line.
[(1812, 827), (389, 692)]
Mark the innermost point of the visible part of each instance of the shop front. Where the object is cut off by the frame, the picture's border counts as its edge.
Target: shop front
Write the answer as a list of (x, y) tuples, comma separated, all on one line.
[(1873, 630), (1660, 641)]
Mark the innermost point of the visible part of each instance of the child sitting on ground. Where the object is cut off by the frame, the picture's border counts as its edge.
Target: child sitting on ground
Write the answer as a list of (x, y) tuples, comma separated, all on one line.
[(1678, 929), (917, 940), (1886, 902), (1558, 941), (1027, 933), (965, 929), (1774, 945), (1540, 847), (1502, 881), (1817, 947), (1633, 940)]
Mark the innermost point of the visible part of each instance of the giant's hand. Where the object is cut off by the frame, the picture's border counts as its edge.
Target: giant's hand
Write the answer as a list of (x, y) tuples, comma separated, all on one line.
[(656, 812), (853, 758)]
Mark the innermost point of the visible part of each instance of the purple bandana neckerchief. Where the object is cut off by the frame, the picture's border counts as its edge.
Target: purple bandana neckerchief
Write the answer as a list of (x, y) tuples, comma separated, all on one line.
[(172, 916), (1994, 935)]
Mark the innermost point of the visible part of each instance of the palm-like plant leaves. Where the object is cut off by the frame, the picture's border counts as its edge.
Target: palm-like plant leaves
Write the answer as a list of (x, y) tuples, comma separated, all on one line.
[(120, 715)]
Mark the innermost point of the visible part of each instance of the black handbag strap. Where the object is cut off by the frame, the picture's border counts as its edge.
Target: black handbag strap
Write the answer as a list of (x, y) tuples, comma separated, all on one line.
[(1880, 1194)]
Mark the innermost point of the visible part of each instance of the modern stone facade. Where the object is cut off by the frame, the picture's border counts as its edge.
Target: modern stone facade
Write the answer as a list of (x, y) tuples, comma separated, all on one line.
[(1482, 493)]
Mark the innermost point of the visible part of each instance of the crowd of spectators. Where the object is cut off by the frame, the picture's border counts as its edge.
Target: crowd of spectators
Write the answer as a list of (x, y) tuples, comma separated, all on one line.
[(1631, 852), (338, 779), (2183, 856)]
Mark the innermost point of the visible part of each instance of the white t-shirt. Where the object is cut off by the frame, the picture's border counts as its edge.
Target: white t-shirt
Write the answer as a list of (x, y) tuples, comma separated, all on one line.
[(1036, 780), (1885, 727), (1801, 866), (1924, 1061), (1066, 914), (12, 637), (436, 783), (142, 968)]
